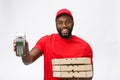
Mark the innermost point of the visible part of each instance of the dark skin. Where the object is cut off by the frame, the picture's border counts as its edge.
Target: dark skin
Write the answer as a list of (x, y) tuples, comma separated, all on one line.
[(31, 56), (64, 26)]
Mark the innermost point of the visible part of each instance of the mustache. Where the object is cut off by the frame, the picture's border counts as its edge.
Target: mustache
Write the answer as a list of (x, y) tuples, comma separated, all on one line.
[(65, 28)]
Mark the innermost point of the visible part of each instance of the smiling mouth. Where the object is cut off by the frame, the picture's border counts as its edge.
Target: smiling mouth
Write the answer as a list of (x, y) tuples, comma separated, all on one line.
[(64, 31)]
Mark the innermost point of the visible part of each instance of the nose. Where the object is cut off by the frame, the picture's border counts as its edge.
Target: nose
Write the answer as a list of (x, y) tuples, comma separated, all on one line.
[(64, 25)]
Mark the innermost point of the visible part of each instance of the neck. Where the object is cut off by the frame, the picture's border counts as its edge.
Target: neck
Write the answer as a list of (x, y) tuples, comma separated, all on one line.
[(65, 37)]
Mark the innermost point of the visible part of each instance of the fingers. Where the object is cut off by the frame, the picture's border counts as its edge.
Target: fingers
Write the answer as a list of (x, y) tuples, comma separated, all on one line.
[(14, 45)]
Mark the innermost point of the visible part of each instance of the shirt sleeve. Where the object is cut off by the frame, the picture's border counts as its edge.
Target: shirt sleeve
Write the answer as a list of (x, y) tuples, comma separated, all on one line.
[(41, 44), (89, 53)]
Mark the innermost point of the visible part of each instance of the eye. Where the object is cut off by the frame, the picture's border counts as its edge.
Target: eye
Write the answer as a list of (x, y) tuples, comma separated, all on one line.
[(68, 22), (59, 23)]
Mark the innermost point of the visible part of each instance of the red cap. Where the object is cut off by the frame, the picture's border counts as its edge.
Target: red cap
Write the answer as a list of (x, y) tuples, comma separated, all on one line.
[(64, 11)]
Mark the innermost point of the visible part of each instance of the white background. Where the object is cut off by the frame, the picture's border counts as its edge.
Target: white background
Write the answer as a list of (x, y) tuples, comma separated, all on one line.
[(96, 21)]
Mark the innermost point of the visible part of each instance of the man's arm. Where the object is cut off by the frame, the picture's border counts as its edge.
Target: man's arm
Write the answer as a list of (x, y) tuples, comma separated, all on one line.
[(30, 56)]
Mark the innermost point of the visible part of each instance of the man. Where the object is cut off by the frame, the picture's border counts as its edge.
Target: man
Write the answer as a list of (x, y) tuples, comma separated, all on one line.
[(58, 45)]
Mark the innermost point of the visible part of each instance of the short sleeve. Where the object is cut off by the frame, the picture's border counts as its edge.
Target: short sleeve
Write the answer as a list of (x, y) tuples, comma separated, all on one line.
[(41, 44), (89, 53)]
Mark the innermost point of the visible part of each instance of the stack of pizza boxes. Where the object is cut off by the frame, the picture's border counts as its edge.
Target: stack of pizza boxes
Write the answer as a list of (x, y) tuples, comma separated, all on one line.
[(72, 68)]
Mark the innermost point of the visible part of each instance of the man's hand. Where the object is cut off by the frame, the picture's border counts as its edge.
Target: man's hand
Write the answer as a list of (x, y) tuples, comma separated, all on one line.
[(26, 47)]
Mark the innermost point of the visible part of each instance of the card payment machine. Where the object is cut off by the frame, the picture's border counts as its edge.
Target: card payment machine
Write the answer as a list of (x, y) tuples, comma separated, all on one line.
[(20, 44)]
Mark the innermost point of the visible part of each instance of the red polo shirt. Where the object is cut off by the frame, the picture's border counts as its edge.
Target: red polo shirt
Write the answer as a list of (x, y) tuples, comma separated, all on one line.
[(53, 46)]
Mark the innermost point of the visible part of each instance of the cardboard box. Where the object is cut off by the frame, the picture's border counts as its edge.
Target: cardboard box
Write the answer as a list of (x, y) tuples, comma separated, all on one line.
[(72, 68), (71, 61), (73, 74)]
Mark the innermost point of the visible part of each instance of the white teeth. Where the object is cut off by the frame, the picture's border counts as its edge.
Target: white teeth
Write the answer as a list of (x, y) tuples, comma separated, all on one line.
[(64, 30)]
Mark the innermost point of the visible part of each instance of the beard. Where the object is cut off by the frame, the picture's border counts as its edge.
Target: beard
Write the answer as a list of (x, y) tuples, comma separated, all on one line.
[(65, 32)]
